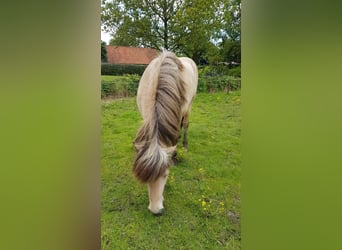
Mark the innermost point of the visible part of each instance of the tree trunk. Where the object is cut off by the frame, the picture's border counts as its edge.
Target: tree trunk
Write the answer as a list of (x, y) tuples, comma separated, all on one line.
[(166, 37)]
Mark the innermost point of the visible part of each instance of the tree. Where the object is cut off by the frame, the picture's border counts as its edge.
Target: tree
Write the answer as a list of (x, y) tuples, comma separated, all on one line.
[(231, 20), (189, 27), (230, 35), (196, 24), (142, 23), (231, 51), (103, 52)]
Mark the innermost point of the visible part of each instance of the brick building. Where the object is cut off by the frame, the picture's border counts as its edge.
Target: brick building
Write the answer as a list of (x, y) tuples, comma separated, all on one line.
[(130, 55)]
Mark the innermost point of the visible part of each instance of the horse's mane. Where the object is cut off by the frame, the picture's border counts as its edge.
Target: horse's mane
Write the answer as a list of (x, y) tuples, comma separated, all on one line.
[(162, 128)]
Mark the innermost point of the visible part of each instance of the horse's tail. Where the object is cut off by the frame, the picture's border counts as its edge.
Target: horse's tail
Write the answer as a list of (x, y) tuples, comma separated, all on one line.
[(152, 160), (157, 138)]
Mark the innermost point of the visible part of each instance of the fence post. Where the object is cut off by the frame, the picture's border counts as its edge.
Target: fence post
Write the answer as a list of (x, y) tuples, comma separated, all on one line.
[(228, 87)]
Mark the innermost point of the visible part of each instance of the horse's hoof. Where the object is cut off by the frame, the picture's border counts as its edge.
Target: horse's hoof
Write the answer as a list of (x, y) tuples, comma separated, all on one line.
[(158, 213)]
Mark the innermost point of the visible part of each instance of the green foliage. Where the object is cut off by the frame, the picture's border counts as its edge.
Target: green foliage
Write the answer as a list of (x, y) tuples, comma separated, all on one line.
[(213, 70), (103, 52), (217, 83), (235, 72), (140, 23), (127, 85), (231, 21), (213, 55), (122, 69), (196, 25), (119, 86), (123, 80), (191, 27), (202, 195), (218, 70), (231, 51), (218, 78)]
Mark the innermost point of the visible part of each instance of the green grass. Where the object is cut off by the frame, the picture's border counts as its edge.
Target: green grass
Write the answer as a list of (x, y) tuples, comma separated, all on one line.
[(202, 195)]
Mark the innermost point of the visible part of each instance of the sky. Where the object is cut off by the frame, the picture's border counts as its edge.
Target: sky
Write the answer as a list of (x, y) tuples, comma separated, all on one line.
[(105, 37)]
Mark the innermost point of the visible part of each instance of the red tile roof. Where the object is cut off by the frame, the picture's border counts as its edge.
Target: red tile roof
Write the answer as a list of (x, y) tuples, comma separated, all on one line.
[(130, 55)]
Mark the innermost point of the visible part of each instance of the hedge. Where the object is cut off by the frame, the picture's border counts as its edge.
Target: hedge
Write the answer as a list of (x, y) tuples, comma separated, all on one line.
[(218, 83), (218, 78), (121, 86), (127, 85), (138, 69), (211, 78), (122, 69), (213, 70)]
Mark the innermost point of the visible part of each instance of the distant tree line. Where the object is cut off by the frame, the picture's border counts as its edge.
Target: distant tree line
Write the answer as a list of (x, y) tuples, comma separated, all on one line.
[(208, 31)]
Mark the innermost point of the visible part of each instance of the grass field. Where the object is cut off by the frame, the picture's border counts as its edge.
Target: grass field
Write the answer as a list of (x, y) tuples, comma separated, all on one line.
[(202, 195)]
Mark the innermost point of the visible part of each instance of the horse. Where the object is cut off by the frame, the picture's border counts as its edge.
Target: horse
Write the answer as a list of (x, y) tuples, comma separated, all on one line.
[(165, 94)]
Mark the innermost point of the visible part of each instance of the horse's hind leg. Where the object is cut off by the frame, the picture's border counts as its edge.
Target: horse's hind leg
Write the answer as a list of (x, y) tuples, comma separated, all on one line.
[(185, 124)]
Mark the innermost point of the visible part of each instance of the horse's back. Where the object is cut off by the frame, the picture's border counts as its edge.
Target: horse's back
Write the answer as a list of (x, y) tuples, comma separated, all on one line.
[(190, 79), (147, 89), (148, 85)]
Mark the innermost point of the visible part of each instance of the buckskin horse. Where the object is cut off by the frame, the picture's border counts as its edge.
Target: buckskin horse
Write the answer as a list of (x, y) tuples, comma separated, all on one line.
[(165, 94)]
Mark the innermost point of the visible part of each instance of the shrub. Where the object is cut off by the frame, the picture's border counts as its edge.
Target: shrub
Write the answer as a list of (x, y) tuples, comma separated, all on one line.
[(122, 69), (236, 72), (218, 78), (120, 86), (105, 89), (127, 85), (218, 83), (213, 70)]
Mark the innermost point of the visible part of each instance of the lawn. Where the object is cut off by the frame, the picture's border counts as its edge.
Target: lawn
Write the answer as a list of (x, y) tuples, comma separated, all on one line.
[(202, 195)]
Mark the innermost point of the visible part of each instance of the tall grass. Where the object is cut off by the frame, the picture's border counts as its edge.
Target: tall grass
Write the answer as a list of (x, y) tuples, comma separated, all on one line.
[(202, 195)]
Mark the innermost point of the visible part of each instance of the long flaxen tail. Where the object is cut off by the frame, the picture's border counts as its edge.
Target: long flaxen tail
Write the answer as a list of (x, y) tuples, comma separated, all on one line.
[(157, 138)]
